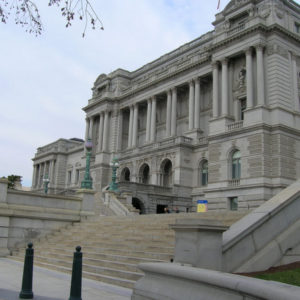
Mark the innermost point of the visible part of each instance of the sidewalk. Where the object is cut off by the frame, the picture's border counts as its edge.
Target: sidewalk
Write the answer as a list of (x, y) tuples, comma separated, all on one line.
[(53, 285)]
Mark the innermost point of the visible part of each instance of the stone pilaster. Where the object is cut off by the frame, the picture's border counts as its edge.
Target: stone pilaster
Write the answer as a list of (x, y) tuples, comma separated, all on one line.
[(191, 105), (225, 87), (168, 117), (91, 128), (295, 83), (101, 123), (153, 120), (135, 125), (174, 112), (215, 67), (105, 131), (130, 127), (197, 104), (148, 124), (249, 78), (87, 128), (260, 76)]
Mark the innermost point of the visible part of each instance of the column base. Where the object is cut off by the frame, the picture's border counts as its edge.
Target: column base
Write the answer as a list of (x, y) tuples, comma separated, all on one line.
[(219, 125)]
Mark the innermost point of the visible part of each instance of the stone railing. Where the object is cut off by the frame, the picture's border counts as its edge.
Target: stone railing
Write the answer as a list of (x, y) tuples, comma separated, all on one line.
[(236, 29), (235, 125), (234, 182), (160, 144), (127, 186)]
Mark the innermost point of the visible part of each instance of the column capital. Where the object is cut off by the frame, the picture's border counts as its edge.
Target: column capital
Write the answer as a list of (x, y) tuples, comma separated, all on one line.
[(153, 98), (215, 64), (260, 46), (197, 79), (224, 61), (169, 92), (174, 89), (191, 82), (248, 51), (149, 100)]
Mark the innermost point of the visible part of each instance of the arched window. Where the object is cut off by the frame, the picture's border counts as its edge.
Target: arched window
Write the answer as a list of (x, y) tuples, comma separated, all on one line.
[(166, 170), (125, 174), (236, 165), (144, 174), (203, 178)]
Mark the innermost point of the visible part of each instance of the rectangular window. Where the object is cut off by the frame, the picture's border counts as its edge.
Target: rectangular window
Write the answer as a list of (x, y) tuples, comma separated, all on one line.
[(69, 177), (297, 27), (77, 176), (243, 104), (233, 203)]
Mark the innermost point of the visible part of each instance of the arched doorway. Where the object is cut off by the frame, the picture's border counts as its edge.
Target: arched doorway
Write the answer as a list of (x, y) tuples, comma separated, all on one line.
[(138, 204), (166, 170), (144, 174), (125, 174)]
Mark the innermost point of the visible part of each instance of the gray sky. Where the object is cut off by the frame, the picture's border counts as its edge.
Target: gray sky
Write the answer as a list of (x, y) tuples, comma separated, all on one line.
[(46, 80)]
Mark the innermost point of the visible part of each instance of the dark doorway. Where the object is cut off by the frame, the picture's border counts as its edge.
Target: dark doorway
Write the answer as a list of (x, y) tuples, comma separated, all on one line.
[(160, 208), (138, 204)]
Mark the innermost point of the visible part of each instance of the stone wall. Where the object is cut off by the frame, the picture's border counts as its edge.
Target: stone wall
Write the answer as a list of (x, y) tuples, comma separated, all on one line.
[(25, 216)]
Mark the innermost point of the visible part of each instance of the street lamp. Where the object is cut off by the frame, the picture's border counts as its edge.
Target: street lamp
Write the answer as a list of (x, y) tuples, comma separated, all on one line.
[(114, 165), (87, 182), (46, 182)]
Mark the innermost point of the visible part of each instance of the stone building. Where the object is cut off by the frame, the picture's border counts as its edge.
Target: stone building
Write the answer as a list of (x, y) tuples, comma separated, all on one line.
[(217, 119)]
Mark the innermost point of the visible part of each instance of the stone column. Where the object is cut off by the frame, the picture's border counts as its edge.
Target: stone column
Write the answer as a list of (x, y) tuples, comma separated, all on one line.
[(87, 128), (174, 112), (153, 119), (51, 172), (260, 76), (225, 87), (101, 121), (91, 128), (148, 125), (215, 67), (34, 176), (295, 83), (120, 131), (168, 117), (191, 105), (135, 125), (130, 127), (249, 78), (197, 103), (105, 131)]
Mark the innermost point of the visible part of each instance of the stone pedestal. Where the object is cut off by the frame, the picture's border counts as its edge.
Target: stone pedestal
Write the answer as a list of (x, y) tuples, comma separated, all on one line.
[(3, 190), (219, 125), (199, 243), (88, 200)]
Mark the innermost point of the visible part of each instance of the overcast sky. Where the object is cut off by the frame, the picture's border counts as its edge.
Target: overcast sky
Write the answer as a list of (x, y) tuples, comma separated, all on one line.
[(45, 81)]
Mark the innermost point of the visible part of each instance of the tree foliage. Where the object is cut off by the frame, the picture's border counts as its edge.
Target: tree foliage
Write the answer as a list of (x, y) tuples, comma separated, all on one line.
[(26, 13), (12, 180)]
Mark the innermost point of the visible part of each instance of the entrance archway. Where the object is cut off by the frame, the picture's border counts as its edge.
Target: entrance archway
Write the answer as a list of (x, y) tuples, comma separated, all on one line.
[(138, 204)]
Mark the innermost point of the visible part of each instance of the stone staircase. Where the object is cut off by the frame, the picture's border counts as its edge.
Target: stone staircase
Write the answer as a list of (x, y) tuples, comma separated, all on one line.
[(113, 246)]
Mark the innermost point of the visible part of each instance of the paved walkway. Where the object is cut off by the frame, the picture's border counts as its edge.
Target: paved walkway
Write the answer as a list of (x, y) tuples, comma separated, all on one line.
[(53, 285)]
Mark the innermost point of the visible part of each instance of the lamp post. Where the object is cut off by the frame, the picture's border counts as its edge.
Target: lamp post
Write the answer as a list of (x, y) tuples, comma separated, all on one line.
[(46, 182), (114, 165), (87, 182)]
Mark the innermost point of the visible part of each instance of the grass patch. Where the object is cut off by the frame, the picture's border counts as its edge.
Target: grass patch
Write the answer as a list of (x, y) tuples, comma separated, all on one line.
[(288, 276)]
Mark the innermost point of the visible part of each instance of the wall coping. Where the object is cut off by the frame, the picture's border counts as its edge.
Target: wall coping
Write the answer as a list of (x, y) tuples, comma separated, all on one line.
[(258, 216), (262, 289)]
